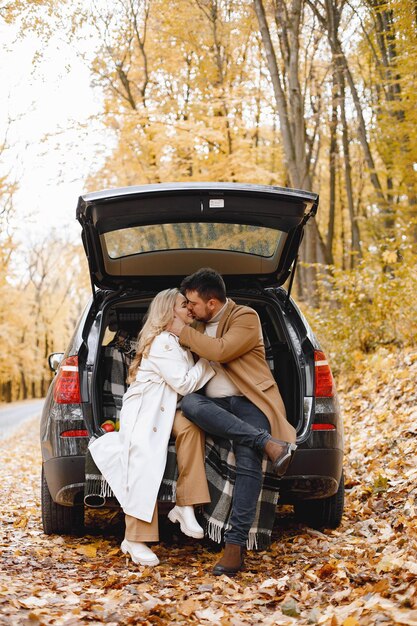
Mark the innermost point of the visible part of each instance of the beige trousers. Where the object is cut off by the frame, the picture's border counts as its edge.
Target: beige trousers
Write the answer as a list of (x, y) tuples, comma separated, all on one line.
[(192, 485)]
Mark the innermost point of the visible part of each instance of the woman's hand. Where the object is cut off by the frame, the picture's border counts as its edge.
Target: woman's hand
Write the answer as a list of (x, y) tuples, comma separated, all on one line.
[(176, 326)]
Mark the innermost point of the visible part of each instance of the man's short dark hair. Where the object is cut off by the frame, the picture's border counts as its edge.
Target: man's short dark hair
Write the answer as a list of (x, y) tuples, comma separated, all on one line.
[(207, 283)]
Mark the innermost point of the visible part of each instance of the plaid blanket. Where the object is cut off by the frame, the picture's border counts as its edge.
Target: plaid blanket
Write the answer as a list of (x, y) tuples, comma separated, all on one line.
[(221, 474), (115, 366)]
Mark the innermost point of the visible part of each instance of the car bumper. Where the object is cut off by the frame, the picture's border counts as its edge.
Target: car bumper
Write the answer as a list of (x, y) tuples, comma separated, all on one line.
[(65, 476), (312, 474)]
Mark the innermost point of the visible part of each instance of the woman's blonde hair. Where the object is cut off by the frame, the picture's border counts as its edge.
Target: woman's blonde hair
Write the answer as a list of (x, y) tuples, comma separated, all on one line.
[(160, 314)]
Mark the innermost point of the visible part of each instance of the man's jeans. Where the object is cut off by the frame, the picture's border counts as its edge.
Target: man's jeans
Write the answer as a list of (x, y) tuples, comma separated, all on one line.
[(238, 419)]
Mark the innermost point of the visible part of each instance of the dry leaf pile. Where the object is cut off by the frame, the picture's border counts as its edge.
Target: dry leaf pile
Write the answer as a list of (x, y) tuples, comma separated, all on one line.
[(365, 572)]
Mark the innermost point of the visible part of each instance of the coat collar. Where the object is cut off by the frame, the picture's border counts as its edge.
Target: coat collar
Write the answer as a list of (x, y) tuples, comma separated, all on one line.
[(231, 305)]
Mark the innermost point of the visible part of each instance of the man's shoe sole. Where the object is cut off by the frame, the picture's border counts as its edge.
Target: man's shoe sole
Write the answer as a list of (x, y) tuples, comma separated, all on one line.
[(281, 465), (219, 570)]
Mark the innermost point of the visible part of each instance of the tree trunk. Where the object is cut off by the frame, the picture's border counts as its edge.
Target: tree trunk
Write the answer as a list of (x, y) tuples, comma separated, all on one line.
[(332, 169), (7, 391), (290, 108), (330, 20), (354, 230), (23, 393), (388, 64), (280, 99)]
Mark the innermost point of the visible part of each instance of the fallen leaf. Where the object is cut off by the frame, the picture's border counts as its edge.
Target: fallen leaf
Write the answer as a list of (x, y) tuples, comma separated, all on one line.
[(87, 550), (210, 615), (290, 607), (188, 607), (327, 570)]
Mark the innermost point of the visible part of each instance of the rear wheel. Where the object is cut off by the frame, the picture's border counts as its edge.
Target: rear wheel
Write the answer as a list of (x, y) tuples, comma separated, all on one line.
[(58, 519), (325, 513)]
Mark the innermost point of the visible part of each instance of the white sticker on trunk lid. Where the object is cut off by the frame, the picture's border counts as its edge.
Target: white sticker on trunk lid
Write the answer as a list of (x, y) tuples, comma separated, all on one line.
[(216, 203)]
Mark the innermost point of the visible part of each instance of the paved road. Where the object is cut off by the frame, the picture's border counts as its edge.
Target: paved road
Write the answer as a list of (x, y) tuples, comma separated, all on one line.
[(14, 414)]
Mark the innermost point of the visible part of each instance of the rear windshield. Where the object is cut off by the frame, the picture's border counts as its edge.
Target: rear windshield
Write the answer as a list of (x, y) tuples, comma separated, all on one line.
[(214, 236)]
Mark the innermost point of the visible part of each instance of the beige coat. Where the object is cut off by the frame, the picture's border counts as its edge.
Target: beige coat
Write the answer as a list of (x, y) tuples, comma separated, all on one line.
[(239, 348), (133, 460)]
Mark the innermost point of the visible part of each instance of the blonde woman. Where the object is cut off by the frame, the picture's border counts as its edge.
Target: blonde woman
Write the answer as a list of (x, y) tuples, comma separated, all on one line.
[(133, 459)]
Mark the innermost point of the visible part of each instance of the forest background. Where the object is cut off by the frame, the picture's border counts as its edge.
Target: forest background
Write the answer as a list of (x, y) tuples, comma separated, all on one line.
[(312, 94)]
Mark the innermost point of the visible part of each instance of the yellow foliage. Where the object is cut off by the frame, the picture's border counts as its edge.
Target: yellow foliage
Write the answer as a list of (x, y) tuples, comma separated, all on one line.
[(38, 313), (367, 307), (182, 99)]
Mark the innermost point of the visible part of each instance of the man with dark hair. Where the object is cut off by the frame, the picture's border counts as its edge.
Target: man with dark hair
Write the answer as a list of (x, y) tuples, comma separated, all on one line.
[(241, 402), (207, 282)]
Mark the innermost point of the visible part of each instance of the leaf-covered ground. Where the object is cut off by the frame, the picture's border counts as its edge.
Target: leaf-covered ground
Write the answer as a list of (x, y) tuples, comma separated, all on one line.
[(365, 572)]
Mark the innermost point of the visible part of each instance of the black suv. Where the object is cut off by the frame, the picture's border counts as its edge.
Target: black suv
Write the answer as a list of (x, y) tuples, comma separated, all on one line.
[(139, 240)]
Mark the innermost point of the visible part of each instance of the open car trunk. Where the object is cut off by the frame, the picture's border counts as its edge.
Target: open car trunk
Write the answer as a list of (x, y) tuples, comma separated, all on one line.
[(121, 322), (122, 318)]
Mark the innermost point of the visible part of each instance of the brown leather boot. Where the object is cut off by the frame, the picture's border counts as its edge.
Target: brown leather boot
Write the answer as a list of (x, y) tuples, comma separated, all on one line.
[(280, 453), (231, 561)]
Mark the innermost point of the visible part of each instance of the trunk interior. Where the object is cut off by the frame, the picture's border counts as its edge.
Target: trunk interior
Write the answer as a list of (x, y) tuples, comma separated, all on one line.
[(121, 323)]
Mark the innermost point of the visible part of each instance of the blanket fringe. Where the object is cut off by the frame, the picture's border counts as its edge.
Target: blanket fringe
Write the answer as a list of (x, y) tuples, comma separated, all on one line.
[(214, 531), (257, 540)]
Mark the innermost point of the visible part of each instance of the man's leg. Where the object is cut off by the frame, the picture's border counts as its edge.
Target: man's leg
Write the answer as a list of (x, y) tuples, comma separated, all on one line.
[(238, 419), (246, 491), (248, 482), (215, 416), (228, 418)]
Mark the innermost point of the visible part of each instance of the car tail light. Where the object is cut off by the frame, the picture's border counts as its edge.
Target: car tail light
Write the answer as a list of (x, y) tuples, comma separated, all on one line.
[(74, 433), (67, 386), (323, 379), (323, 427)]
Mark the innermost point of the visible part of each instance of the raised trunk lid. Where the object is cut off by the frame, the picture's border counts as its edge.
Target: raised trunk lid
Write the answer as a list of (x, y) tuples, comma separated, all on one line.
[(135, 235)]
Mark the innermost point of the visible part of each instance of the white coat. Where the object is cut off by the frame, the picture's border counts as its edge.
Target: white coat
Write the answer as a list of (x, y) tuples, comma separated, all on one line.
[(133, 459)]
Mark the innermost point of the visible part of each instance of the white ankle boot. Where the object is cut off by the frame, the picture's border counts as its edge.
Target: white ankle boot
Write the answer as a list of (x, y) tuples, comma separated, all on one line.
[(139, 552), (187, 521)]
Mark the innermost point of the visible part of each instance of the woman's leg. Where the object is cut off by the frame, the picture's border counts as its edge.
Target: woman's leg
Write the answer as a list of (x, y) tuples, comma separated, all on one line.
[(192, 485), (139, 531), (137, 534)]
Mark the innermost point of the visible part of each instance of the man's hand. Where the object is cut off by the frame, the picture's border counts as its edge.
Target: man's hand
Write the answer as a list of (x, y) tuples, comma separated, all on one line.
[(176, 326)]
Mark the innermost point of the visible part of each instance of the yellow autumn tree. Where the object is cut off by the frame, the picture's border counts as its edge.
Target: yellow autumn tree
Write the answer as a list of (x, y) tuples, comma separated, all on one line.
[(183, 93), (40, 302), (388, 50)]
